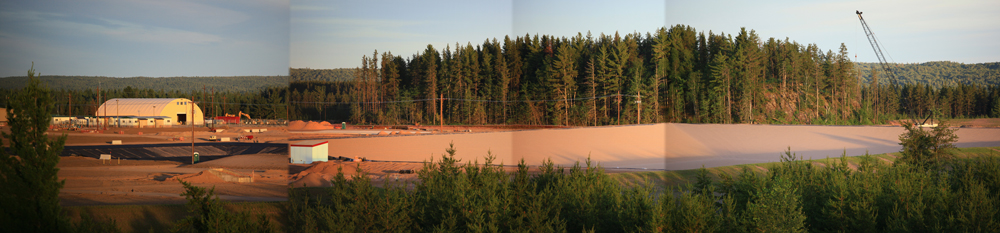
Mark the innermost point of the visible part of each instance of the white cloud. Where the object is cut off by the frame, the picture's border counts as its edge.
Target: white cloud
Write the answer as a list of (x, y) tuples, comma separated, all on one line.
[(140, 33), (107, 29), (189, 13)]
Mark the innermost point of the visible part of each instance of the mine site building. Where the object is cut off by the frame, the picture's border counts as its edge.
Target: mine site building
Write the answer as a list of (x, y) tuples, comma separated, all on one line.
[(149, 112), (306, 152)]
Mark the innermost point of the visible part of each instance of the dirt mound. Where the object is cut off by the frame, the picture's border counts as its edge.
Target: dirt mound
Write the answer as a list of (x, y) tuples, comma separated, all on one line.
[(320, 173), (296, 125), (313, 180), (310, 125), (330, 168), (200, 177)]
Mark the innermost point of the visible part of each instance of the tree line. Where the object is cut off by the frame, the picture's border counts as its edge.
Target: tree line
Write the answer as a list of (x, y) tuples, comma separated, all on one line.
[(675, 74), (183, 84), (939, 74), (326, 75), (265, 103)]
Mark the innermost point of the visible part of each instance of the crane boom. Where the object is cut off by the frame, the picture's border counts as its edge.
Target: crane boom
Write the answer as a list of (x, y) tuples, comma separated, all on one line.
[(885, 64), (878, 49)]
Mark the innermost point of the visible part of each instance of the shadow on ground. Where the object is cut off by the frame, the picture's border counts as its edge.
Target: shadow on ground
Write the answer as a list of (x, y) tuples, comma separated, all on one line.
[(176, 151)]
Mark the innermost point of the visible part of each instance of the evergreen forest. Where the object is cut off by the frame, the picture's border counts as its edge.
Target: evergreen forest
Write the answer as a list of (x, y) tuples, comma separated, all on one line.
[(939, 74), (264, 103), (182, 84), (674, 74), (325, 75)]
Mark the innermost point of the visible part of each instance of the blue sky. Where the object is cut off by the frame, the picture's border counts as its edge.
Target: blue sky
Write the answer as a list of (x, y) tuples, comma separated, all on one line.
[(125, 38), (336, 34)]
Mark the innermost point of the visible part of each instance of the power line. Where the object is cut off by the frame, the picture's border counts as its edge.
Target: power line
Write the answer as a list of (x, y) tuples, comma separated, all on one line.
[(468, 100)]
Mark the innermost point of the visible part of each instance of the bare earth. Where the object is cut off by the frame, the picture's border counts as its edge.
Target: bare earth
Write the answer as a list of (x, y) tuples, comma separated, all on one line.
[(646, 147), (101, 136), (91, 181)]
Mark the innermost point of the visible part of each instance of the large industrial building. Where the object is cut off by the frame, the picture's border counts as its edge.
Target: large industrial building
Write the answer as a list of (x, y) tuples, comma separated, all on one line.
[(151, 112)]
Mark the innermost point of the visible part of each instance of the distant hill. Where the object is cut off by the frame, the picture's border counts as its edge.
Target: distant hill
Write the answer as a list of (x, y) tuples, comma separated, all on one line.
[(938, 73), (326, 75), (227, 83)]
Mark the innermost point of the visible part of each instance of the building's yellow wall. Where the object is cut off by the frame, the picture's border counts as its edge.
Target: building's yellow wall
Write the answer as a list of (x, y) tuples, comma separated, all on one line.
[(172, 109)]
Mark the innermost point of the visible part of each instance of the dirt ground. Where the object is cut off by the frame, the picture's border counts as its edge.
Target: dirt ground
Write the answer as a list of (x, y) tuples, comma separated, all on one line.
[(91, 181), (668, 146), (319, 174), (299, 130), (961, 123), (128, 135)]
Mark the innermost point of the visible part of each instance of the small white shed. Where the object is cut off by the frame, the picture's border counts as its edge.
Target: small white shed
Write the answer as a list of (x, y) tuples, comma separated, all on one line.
[(306, 152)]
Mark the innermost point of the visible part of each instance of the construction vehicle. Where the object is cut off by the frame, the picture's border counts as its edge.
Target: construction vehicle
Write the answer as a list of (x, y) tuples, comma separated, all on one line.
[(233, 119), (886, 68), (244, 114)]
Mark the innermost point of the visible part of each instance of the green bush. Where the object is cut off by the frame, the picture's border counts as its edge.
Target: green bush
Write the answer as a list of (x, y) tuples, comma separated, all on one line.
[(791, 196), (923, 148), (210, 215), (29, 185)]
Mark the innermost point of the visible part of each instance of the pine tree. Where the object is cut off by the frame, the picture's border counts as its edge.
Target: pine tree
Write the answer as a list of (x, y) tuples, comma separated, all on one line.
[(562, 80), (29, 199)]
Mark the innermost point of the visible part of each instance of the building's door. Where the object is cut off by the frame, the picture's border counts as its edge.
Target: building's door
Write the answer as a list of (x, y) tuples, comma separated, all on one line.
[(182, 118)]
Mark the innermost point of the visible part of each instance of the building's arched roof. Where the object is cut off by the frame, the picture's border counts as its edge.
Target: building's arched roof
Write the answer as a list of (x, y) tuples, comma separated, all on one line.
[(138, 106)]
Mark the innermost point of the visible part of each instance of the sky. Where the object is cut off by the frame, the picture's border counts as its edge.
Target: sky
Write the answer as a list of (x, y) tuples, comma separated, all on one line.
[(127, 38), (336, 34)]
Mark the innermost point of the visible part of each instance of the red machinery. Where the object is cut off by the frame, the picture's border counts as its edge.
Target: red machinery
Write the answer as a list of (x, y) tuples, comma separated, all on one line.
[(228, 119)]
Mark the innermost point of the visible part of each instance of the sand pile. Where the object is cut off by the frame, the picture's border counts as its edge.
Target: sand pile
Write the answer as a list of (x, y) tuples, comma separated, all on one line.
[(310, 125), (296, 125), (320, 173), (313, 180), (331, 168), (200, 177)]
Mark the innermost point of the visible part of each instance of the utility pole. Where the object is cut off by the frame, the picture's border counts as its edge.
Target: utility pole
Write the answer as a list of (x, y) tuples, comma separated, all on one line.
[(192, 129), (441, 111), (215, 113), (638, 108), (618, 99), (98, 113), (105, 113), (118, 115)]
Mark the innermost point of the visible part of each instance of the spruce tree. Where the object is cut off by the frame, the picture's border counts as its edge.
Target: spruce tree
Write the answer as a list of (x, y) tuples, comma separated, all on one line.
[(29, 197)]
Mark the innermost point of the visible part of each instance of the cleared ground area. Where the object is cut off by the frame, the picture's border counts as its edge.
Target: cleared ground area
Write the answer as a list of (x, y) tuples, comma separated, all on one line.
[(90, 181), (645, 147), (146, 166)]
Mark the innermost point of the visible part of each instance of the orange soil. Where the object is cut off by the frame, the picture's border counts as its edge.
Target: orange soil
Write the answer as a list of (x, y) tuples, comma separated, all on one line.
[(203, 177), (90, 181), (311, 125)]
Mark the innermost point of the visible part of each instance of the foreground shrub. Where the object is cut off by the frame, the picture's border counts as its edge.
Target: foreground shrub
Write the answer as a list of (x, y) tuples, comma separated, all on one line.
[(791, 196), (208, 214), (927, 148)]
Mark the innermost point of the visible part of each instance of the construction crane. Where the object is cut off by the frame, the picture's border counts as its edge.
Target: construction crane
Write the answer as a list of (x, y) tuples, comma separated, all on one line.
[(888, 69), (244, 114)]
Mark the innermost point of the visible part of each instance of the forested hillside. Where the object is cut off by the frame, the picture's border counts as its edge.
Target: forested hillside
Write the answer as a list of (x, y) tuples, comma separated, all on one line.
[(265, 103), (939, 73), (676, 74), (324, 75), (183, 84), (936, 74)]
